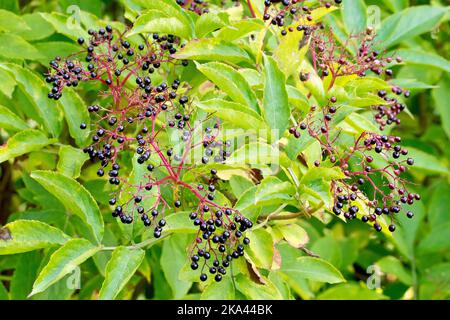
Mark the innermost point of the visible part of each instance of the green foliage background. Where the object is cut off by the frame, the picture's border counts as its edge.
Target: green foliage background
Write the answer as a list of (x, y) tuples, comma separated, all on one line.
[(43, 135)]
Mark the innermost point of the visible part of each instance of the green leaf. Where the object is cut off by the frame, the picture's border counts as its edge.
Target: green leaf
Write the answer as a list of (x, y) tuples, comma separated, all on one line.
[(255, 291), (297, 99), (75, 113), (62, 262), (405, 235), (159, 21), (240, 184), (75, 198), (68, 26), (38, 27), (255, 153), (70, 161), (441, 96), (173, 258), (438, 206), (50, 49), (15, 47), (10, 121), (314, 269), (288, 54), (437, 240), (295, 235), (237, 114), (223, 290), (408, 23), (396, 5), (207, 23), (260, 250), (23, 142), (119, 270), (171, 9), (36, 91), (275, 102), (135, 179), (354, 15), (269, 192), (239, 29), (11, 22), (7, 84), (350, 291), (26, 270), (27, 235), (179, 222), (231, 82), (212, 50), (3, 292), (423, 58), (426, 162), (394, 266)]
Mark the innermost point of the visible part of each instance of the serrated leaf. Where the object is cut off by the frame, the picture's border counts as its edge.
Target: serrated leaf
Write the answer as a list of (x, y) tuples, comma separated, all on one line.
[(179, 222), (255, 291), (68, 26), (223, 290), (260, 249), (441, 96), (27, 235), (350, 291), (70, 161), (212, 50), (231, 82), (38, 27), (295, 235), (10, 121), (314, 269), (354, 15), (75, 198), (26, 270), (207, 23), (62, 262), (408, 23), (15, 47), (119, 270), (173, 258), (239, 29), (275, 102), (394, 266), (36, 91), (7, 84), (75, 113), (11, 22), (23, 142), (237, 114), (159, 21)]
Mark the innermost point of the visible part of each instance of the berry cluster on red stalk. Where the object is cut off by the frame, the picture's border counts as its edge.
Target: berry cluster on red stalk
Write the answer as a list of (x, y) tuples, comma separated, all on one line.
[(361, 184), (197, 6), (134, 117), (292, 15), (374, 164)]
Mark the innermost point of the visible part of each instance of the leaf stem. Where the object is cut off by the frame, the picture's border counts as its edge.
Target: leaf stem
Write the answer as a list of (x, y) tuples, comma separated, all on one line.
[(250, 7)]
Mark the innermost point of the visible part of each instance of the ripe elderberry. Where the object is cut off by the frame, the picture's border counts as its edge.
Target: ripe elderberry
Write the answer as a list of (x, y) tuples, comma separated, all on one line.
[(131, 118)]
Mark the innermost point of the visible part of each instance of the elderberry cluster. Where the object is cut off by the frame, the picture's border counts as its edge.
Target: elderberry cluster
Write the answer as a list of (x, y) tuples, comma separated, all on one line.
[(387, 114), (361, 180), (333, 58), (219, 237), (197, 6), (361, 183), (287, 13), (137, 110)]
